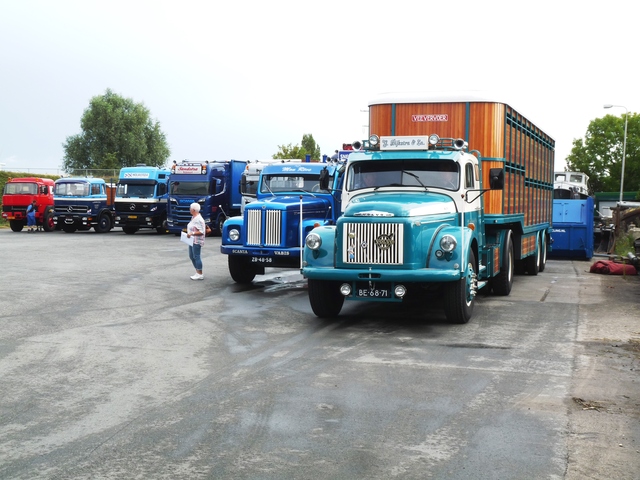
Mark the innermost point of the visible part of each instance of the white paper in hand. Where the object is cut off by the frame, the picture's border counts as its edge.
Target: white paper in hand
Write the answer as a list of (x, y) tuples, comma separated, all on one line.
[(185, 239)]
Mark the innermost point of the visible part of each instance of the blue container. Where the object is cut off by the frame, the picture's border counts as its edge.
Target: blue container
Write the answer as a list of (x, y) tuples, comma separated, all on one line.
[(572, 230)]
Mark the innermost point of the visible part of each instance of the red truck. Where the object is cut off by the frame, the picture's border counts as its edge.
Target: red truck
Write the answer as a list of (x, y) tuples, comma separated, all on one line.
[(19, 193)]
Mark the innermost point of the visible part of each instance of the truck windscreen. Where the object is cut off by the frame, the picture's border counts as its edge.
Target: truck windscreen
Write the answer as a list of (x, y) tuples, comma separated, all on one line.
[(129, 190), (289, 183), (21, 188), (189, 188), (409, 173)]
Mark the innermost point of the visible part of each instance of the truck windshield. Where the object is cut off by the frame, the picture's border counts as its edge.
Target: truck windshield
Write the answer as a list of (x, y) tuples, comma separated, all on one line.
[(404, 173), (189, 188), (20, 188), (69, 189), (129, 190), (289, 183)]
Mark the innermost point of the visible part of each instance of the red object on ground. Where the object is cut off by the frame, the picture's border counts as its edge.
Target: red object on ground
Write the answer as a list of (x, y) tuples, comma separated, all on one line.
[(609, 267)]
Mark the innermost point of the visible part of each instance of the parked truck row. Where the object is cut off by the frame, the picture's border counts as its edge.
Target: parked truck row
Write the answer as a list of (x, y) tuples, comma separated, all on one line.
[(448, 196)]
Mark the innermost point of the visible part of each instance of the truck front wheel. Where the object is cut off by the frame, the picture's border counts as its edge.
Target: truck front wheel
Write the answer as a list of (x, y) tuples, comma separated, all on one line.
[(47, 221), (325, 298), (241, 269), (459, 297), (104, 224), (16, 225)]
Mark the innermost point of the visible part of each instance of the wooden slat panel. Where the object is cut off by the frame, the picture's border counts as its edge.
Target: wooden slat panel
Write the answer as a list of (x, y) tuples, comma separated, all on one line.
[(504, 137)]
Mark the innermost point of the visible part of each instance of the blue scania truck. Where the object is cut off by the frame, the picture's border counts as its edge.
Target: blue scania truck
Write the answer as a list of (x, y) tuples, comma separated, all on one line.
[(83, 203), (291, 200), (213, 185), (450, 196), (141, 199)]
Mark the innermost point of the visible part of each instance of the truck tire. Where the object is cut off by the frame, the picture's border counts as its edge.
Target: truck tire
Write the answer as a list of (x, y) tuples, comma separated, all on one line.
[(325, 298), (47, 220), (162, 228), (104, 224), (221, 219), (503, 282), (69, 228), (543, 255), (16, 225), (459, 297), (129, 230), (241, 269), (532, 262)]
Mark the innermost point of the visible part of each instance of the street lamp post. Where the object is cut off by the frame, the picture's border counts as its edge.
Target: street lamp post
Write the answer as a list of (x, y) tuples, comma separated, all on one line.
[(624, 145)]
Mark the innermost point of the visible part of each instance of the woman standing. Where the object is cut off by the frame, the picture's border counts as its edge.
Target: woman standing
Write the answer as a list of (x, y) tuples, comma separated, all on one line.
[(196, 229)]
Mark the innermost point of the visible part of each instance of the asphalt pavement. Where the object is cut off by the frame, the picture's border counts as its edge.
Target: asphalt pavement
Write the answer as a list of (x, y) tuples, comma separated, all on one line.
[(115, 364)]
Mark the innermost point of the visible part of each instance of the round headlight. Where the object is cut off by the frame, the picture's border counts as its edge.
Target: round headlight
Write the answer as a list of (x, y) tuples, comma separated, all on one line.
[(448, 243), (345, 289), (234, 235), (433, 139), (313, 241), (400, 291), (374, 140)]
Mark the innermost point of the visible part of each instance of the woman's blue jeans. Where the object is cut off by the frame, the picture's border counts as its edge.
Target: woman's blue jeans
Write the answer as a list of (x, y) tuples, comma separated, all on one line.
[(194, 255)]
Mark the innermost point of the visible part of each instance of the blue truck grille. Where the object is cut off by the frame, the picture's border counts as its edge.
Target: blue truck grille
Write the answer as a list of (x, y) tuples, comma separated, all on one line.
[(71, 209), (373, 243), (264, 228)]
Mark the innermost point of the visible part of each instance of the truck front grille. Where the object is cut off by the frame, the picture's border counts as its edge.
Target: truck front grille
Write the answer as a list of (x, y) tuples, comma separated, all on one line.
[(71, 209), (373, 243), (264, 228)]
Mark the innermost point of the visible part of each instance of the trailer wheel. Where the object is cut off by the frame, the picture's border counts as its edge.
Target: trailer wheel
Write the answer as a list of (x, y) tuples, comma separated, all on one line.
[(532, 262), (104, 224), (543, 255), (47, 220), (459, 297), (16, 225), (241, 269), (325, 298), (130, 230), (69, 228), (503, 282)]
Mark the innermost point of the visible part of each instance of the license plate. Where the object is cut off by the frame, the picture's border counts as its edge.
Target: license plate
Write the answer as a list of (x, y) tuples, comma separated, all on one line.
[(261, 259), (373, 291), (133, 216)]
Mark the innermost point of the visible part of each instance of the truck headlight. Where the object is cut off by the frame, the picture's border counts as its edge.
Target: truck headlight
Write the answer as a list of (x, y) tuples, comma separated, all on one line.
[(234, 235), (313, 241), (448, 243)]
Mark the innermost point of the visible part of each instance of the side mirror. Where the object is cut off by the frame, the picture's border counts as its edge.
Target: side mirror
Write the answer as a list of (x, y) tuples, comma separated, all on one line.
[(496, 179), (243, 184), (44, 190), (324, 179)]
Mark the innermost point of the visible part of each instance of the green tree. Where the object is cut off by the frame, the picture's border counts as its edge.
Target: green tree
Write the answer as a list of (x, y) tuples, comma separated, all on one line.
[(116, 133), (296, 151), (599, 154), (309, 144)]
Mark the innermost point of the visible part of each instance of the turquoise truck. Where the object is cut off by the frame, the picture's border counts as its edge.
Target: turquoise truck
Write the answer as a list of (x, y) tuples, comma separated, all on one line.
[(448, 196)]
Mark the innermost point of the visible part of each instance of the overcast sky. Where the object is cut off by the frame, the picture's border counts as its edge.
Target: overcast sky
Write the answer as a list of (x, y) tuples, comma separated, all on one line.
[(237, 79)]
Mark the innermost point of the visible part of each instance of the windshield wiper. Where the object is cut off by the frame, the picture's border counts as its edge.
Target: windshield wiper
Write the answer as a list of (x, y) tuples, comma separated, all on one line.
[(411, 174)]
